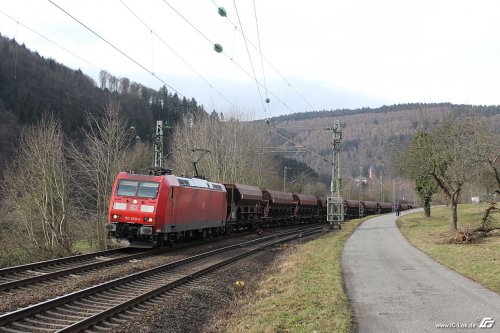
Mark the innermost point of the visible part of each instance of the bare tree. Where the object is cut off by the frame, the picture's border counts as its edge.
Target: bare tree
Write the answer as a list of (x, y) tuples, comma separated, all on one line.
[(232, 144), (96, 166), (488, 155), (36, 190), (449, 153), (139, 158)]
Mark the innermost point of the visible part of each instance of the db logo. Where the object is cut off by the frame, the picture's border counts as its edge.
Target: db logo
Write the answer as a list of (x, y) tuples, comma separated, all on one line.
[(133, 207), (487, 323)]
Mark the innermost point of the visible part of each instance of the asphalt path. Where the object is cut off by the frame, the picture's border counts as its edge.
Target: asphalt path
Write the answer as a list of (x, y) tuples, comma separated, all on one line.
[(393, 287)]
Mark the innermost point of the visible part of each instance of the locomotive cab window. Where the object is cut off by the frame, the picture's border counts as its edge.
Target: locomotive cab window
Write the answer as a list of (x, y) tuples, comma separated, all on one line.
[(148, 190), (134, 188), (126, 188)]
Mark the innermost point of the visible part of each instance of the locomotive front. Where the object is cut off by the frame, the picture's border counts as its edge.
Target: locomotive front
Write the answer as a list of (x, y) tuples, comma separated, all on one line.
[(133, 209)]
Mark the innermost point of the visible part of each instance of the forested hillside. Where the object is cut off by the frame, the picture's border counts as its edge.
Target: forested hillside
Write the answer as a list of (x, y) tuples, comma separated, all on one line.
[(370, 136), (31, 85)]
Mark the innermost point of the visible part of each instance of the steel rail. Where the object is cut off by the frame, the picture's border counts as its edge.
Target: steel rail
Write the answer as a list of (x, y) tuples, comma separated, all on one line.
[(131, 282), (38, 264), (61, 271)]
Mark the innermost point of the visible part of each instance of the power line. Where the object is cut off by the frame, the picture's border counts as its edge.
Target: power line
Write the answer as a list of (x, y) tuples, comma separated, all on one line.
[(309, 149), (153, 33), (117, 49), (305, 147), (270, 64), (229, 57), (249, 57), (69, 100), (261, 58), (51, 41)]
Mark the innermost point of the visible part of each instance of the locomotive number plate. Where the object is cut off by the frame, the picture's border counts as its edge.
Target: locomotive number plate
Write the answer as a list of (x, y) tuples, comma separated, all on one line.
[(133, 207)]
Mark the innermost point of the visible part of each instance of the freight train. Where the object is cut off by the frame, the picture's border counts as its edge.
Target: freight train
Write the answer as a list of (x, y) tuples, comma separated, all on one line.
[(160, 209)]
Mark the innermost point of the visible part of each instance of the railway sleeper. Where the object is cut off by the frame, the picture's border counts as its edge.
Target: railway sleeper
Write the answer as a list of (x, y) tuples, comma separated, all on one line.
[(85, 304), (56, 314), (117, 320), (78, 309), (31, 328), (99, 328), (133, 313), (107, 325), (104, 300), (108, 297), (94, 299), (54, 319), (52, 322)]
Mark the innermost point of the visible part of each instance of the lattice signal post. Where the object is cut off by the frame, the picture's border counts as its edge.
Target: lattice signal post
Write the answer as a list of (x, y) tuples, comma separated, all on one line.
[(335, 207)]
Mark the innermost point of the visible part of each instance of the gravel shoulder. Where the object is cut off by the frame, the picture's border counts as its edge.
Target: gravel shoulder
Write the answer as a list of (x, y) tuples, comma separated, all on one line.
[(393, 287)]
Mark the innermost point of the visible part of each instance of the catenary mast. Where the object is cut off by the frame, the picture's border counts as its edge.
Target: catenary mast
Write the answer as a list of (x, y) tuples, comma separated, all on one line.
[(335, 207)]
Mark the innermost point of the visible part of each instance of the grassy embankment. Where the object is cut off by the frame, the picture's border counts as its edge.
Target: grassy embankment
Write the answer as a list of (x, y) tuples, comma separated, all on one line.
[(479, 261), (303, 293)]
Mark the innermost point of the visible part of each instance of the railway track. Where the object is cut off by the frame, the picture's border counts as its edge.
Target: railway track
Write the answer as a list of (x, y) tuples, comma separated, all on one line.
[(24, 275), (43, 271), (111, 303)]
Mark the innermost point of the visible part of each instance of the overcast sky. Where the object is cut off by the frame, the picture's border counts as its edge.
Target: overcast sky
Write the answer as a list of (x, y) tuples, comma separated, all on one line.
[(329, 54)]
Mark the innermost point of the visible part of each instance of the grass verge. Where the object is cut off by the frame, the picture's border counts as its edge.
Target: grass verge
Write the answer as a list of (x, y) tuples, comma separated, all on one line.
[(304, 292), (479, 261)]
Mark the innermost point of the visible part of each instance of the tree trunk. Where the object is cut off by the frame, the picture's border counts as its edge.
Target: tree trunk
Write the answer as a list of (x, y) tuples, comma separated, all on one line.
[(427, 205), (453, 210), (453, 216), (427, 211)]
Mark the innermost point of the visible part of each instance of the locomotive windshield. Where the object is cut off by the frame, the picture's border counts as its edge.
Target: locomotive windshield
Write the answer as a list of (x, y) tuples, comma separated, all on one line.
[(134, 188)]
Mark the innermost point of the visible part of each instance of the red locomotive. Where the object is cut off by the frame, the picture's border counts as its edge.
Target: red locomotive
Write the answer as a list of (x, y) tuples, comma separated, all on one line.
[(154, 210)]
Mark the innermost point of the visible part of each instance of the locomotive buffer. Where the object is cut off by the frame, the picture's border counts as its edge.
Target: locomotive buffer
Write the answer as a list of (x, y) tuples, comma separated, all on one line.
[(335, 208)]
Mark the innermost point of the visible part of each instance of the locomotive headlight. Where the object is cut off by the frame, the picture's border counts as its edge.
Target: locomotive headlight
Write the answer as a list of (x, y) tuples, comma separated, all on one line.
[(150, 220)]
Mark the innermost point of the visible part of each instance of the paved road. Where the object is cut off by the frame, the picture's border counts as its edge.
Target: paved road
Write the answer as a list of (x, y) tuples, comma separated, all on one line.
[(394, 287)]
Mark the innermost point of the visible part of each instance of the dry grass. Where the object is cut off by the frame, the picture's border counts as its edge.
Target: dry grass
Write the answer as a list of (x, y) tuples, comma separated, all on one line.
[(480, 260), (303, 293)]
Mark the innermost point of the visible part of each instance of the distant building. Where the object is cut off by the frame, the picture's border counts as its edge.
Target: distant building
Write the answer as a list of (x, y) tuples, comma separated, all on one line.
[(371, 172)]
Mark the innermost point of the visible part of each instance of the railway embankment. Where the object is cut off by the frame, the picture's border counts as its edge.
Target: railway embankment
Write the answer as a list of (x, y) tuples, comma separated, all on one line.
[(303, 291), (472, 254)]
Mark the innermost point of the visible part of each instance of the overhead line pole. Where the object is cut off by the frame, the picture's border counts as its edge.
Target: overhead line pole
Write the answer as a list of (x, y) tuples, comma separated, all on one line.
[(335, 207), (158, 145)]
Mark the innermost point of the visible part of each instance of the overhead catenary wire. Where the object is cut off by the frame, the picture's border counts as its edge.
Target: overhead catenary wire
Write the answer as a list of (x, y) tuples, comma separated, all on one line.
[(85, 107), (261, 58), (307, 148), (117, 49), (303, 175), (70, 101), (51, 41), (270, 64), (250, 57), (153, 33), (227, 55)]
